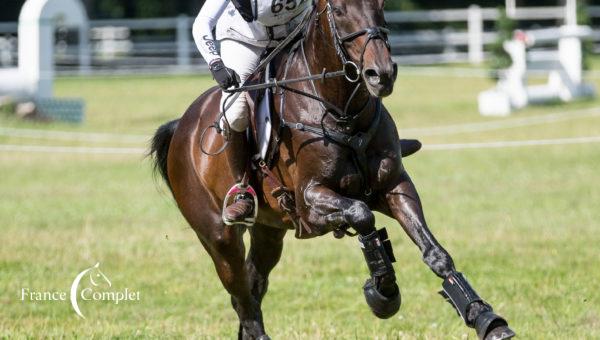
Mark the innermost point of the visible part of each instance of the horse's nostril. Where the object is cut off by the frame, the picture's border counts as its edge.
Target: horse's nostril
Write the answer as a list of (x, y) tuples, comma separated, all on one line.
[(372, 76), (371, 73)]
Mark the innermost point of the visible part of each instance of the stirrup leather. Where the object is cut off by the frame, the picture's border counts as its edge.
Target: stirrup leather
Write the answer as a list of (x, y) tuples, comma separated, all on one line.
[(240, 189)]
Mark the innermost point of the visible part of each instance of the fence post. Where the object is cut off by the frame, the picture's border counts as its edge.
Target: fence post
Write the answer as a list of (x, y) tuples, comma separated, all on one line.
[(571, 13), (183, 41), (475, 34), (511, 8), (85, 57)]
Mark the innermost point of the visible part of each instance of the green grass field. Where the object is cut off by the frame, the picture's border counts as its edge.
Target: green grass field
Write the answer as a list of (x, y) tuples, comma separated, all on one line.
[(522, 223)]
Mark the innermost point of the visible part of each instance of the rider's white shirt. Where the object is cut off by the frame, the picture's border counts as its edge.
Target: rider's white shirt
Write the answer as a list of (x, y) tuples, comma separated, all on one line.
[(281, 15)]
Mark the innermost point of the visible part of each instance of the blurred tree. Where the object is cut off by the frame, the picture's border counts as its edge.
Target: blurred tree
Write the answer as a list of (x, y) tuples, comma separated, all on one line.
[(500, 58), (587, 48), (404, 5)]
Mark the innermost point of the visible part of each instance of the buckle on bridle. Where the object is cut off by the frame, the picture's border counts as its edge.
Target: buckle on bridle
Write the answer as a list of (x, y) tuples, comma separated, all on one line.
[(377, 32), (352, 72)]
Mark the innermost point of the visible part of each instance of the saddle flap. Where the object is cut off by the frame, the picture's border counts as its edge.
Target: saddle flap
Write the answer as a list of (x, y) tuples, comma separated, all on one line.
[(260, 103), (263, 124)]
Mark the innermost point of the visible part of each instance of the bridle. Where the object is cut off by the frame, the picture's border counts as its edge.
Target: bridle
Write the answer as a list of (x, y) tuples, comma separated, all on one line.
[(372, 33), (351, 70)]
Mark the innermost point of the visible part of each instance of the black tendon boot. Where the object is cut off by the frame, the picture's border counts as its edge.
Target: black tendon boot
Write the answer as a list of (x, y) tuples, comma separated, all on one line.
[(241, 209), (474, 311), (381, 292)]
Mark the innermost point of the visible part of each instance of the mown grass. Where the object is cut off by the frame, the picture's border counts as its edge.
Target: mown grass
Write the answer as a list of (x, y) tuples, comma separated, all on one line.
[(521, 223)]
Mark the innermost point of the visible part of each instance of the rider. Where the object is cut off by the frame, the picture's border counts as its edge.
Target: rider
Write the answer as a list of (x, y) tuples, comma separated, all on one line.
[(245, 28)]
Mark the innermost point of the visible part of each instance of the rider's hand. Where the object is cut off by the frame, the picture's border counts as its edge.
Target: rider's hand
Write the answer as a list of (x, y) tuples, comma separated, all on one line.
[(225, 76)]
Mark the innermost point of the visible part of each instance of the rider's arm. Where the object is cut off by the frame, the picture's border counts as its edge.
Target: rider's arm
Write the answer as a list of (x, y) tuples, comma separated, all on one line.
[(203, 28)]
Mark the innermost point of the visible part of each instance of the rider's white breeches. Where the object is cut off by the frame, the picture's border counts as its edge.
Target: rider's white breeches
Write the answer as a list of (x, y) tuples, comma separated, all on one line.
[(243, 59)]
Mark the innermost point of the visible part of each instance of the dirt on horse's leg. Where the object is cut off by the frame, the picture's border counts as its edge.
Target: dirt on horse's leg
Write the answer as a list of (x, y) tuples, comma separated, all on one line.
[(328, 210), (403, 204), (226, 247)]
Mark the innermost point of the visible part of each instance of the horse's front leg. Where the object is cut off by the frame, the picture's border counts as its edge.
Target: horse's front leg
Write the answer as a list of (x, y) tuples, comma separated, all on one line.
[(327, 210), (403, 204)]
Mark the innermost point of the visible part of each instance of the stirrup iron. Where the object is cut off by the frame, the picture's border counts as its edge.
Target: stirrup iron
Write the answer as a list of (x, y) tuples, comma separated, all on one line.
[(240, 189)]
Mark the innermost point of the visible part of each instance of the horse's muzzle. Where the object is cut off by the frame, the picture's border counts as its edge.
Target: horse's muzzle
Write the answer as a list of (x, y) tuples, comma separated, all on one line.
[(380, 81)]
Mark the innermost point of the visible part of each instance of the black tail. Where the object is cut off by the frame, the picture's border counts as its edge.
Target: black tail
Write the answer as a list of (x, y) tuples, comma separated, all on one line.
[(159, 150)]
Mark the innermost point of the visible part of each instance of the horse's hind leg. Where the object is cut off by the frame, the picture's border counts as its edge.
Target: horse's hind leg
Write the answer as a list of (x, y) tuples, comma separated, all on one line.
[(226, 247), (403, 203), (265, 252)]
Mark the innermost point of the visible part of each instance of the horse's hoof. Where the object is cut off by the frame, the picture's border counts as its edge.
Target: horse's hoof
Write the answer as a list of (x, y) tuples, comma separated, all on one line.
[(500, 333), (382, 306), (263, 337), (490, 326)]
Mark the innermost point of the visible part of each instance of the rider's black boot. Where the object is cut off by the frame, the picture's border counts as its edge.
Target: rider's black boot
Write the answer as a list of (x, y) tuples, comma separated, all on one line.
[(381, 291), (241, 209), (475, 312)]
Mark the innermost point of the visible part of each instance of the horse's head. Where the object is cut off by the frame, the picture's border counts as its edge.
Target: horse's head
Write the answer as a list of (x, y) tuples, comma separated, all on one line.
[(358, 28), (97, 277)]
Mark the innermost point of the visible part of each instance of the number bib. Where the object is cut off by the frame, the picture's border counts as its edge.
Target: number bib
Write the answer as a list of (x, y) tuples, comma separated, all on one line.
[(278, 12)]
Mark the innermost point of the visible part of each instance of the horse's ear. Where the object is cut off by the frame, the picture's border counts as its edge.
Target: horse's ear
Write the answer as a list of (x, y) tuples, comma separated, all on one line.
[(381, 3)]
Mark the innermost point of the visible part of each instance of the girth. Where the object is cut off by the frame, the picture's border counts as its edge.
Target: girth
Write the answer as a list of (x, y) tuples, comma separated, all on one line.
[(358, 142)]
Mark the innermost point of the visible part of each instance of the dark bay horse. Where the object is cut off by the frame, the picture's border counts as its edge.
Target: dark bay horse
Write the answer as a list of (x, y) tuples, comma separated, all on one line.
[(338, 166)]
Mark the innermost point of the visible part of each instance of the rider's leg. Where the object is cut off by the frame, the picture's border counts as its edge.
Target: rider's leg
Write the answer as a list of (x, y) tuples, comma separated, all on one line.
[(243, 59)]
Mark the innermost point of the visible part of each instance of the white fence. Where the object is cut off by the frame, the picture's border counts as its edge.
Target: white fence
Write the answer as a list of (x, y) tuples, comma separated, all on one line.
[(164, 44)]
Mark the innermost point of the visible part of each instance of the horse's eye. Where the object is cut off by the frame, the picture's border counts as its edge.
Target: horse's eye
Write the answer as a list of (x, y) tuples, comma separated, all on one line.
[(338, 11)]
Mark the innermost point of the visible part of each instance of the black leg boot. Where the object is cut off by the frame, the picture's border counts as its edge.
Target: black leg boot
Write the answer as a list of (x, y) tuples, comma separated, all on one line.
[(240, 209), (381, 291), (475, 312)]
